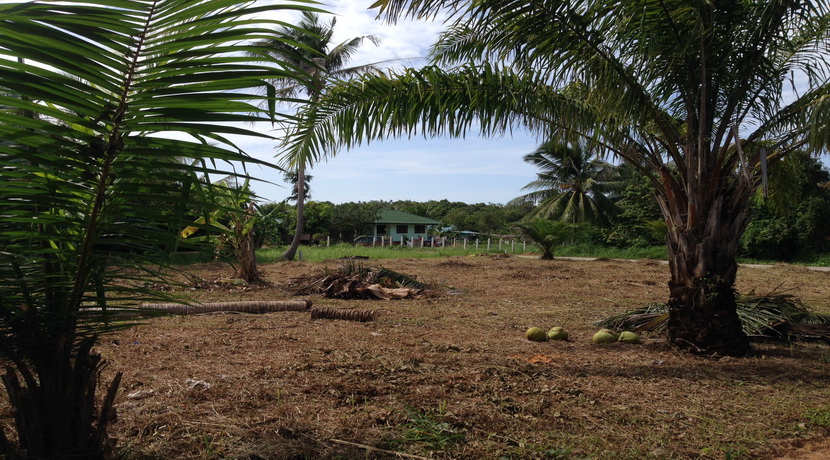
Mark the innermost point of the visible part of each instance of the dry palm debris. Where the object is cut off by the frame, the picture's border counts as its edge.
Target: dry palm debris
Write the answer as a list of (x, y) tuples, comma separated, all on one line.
[(356, 281), (772, 317)]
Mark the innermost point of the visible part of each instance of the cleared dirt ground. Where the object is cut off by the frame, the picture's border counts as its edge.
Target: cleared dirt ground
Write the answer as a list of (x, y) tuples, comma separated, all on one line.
[(452, 376)]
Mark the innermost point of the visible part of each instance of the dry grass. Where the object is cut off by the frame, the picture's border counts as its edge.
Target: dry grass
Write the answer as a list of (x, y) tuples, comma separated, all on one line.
[(453, 376)]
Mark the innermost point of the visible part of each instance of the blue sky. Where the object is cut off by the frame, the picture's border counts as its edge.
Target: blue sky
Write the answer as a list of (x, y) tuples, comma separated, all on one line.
[(472, 170)]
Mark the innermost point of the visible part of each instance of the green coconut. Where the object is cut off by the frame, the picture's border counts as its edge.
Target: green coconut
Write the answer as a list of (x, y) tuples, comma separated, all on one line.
[(629, 337), (605, 336), (536, 334), (558, 333)]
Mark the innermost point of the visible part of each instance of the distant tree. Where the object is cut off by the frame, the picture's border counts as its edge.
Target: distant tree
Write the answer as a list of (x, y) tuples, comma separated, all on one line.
[(792, 220), (640, 222), (292, 177), (310, 47), (273, 223), (572, 186), (318, 218), (350, 220)]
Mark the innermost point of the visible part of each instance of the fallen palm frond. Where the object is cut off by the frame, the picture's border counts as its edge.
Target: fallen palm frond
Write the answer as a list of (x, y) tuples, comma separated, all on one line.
[(768, 317), (383, 276), (356, 281)]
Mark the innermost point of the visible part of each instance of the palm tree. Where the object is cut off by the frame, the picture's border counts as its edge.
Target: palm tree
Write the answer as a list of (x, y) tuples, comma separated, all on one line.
[(692, 93), (572, 186), (292, 178), (90, 96), (545, 233), (310, 47)]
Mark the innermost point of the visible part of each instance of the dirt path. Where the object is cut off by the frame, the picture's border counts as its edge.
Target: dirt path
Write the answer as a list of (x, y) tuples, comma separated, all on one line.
[(590, 259), (816, 449)]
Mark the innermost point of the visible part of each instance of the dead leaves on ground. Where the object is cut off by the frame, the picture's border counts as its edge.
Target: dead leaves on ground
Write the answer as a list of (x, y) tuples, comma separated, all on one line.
[(355, 281)]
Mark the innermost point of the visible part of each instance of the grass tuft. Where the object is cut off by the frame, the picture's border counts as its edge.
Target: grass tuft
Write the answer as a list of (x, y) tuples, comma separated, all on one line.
[(424, 429)]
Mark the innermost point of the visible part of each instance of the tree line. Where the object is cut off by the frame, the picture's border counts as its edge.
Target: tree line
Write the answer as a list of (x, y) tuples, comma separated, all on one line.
[(789, 222)]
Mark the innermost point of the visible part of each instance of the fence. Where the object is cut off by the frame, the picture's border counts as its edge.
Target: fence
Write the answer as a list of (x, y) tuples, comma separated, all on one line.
[(503, 244)]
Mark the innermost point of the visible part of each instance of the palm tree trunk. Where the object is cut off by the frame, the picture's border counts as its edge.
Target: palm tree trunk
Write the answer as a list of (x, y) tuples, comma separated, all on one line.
[(57, 414), (291, 252), (702, 251)]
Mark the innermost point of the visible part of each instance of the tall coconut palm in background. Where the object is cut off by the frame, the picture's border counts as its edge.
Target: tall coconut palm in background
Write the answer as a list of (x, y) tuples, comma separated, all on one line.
[(573, 185), (91, 195), (323, 62), (692, 93)]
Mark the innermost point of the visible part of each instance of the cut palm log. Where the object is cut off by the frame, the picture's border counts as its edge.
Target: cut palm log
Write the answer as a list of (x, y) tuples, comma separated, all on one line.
[(258, 306), (171, 308), (362, 316)]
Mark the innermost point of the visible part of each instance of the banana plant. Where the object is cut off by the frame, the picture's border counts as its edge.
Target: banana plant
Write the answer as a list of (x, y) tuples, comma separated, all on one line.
[(233, 217)]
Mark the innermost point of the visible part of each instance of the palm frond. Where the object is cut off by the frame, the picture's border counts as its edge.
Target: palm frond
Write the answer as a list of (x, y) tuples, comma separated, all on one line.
[(764, 317), (98, 105)]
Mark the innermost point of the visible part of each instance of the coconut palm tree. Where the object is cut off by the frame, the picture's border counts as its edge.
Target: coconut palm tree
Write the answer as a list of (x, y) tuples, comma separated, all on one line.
[(693, 93), (322, 63), (291, 178), (573, 185), (91, 197)]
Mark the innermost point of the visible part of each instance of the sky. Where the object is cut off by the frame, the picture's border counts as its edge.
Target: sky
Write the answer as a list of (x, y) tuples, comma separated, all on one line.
[(471, 170)]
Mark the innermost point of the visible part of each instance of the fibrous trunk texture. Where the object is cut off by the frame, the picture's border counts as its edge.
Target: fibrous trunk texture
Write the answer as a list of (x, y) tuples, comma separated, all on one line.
[(246, 251), (703, 314), (291, 252), (55, 413), (350, 314), (259, 306)]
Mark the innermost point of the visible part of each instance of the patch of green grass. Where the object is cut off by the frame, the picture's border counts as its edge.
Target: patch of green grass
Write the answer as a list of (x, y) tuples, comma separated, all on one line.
[(591, 250), (819, 417), (426, 430), (322, 253)]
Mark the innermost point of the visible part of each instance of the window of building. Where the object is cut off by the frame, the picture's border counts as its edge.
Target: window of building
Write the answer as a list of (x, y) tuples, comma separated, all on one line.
[(420, 229), (381, 229), (402, 229)]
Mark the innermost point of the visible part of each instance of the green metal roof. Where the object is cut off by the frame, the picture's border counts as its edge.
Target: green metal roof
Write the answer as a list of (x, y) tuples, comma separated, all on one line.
[(386, 216)]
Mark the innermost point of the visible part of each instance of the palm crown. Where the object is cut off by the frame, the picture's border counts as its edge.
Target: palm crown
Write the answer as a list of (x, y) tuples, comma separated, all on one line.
[(573, 185), (310, 48)]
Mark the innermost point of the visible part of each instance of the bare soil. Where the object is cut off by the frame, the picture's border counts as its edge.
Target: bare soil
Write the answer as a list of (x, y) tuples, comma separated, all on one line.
[(452, 376)]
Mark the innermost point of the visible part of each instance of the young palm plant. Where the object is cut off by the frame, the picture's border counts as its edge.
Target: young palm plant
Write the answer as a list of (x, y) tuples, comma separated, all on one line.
[(546, 234), (91, 197)]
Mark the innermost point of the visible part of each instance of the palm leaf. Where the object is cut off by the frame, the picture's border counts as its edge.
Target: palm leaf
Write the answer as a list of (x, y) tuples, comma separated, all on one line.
[(772, 316), (98, 101)]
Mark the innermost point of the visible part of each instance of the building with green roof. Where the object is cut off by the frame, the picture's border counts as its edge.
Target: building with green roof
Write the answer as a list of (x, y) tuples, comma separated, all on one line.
[(401, 226)]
